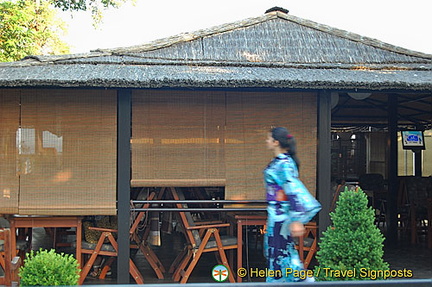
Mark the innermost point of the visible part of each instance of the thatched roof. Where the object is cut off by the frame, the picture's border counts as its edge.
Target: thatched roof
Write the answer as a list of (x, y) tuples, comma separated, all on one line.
[(275, 50)]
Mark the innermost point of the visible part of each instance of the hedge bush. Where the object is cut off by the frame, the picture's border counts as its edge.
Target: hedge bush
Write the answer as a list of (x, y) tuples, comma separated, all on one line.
[(352, 247), (48, 268)]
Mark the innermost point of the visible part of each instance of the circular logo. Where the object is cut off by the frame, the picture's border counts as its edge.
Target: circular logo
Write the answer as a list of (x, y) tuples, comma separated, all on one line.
[(220, 273)]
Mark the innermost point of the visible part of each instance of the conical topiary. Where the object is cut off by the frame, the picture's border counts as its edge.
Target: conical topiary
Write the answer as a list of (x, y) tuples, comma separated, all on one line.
[(352, 248)]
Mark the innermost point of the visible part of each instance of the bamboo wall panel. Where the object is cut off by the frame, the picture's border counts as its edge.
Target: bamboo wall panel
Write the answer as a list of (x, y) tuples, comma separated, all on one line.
[(70, 142), (9, 178)]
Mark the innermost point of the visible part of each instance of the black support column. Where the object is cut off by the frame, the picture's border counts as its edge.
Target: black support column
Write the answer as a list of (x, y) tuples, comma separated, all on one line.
[(418, 163), (124, 107), (324, 192), (392, 220)]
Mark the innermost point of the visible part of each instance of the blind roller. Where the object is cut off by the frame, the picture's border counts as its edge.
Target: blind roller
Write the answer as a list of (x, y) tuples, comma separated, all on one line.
[(9, 179), (250, 116), (68, 145), (177, 138)]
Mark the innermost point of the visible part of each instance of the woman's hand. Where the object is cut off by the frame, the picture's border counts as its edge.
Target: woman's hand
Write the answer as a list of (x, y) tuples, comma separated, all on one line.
[(297, 229)]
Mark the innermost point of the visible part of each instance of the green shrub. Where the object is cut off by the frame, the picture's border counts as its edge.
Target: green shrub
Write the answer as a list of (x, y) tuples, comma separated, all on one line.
[(352, 248), (48, 268)]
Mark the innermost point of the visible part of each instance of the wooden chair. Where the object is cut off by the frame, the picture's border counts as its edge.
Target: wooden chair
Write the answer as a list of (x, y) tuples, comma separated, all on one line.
[(419, 191), (200, 239), (110, 249), (373, 184), (429, 222), (139, 241), (308, 243), (9, 263), (340, 187), (22, 241), (403, 205)]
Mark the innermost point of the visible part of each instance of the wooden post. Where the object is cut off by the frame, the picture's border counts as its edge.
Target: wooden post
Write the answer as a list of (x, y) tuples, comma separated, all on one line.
[(324, 192), (392, 171), (124, 107)]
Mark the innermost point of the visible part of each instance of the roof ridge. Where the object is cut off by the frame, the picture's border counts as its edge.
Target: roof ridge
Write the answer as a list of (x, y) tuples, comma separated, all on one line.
[(216, 63), (35, 59)]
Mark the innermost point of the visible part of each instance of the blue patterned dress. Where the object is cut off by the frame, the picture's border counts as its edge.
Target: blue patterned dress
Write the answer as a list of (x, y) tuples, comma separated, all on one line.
[(288, 201)]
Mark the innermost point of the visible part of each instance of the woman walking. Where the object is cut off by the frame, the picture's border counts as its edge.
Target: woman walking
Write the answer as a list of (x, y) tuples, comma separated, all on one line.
[(290, 206)]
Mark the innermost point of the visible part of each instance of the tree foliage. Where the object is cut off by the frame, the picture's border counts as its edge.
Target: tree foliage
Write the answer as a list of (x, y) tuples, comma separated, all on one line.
[(29, 28), (94, 6), (352, 248)]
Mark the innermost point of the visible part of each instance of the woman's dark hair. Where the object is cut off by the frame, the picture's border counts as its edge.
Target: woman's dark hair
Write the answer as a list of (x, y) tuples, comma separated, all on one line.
[(286, 141)]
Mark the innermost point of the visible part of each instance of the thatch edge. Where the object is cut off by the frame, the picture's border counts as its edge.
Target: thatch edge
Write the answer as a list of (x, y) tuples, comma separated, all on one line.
[(189, 79)]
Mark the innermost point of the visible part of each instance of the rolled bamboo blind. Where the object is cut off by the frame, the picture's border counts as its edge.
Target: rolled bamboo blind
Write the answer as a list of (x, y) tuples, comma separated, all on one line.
[(9, 179), (63, 156), (209, 138), (250, 116), (70, 136), (177, 138)]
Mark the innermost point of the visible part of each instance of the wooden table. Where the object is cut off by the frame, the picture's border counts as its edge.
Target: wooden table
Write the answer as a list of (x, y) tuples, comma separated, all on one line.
[(240, 220), (50, 222), (260, 218)]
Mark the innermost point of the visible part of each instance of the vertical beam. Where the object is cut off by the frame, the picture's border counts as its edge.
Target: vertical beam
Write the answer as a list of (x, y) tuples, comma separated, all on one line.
[(324, 192), (418, 162), (124, 108), (392, 170)]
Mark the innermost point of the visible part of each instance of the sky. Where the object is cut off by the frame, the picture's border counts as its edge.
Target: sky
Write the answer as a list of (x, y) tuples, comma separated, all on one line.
[(407, 24)]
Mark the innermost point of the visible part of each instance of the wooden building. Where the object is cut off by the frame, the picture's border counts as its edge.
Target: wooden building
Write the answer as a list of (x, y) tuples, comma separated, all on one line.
[(194, 110)]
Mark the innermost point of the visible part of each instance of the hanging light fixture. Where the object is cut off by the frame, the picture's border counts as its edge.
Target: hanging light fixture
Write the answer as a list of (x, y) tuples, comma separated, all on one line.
[(359, 96), (334, 99)]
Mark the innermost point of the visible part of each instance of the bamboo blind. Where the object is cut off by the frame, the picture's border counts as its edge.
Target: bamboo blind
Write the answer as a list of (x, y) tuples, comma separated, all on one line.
[(68, 142), (204, 138), (9, 180), (62, 158), (177, 138), (250, 116)]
